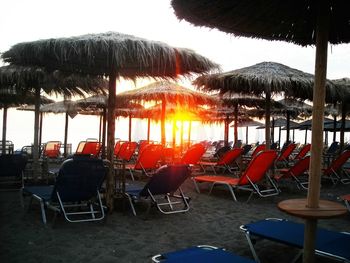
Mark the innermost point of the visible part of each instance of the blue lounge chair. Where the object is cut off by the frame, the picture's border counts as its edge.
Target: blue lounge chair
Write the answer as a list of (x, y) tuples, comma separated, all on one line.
[(76, 190), (11, 171), (161, 188), (203, 254), (331, 244)]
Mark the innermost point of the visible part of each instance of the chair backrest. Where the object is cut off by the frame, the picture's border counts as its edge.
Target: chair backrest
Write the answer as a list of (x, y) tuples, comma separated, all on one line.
[(333, 148), (259, 148), (12, 165), (167, 179), (219, 153), (338, 162), (126, 151), (168, 155), (80, 147), (286, 152), (246, 148), (52, 149), (303, 151), (143, 144), (230, 156), (149, 157), (79, 179), (117, 147), (299, 168), (258, 167), (92, 147), (193, 154)]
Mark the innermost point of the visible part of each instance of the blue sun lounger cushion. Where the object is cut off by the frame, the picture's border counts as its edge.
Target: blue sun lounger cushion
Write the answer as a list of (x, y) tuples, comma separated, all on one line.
[(329, 243), (202, 254)]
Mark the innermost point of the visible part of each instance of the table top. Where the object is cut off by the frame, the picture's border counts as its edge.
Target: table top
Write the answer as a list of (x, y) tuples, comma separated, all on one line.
[(298, 208)]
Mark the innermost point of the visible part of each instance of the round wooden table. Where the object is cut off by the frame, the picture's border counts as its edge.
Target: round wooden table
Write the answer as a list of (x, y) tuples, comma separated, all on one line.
[(298, 208)]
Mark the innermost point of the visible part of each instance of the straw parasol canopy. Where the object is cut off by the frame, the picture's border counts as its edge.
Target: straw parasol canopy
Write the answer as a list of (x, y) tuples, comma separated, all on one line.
[(301, 22), (266, 78), (11, 97), (36, 79), (114, 55), (69, 108), (239, 101), (167, 92)]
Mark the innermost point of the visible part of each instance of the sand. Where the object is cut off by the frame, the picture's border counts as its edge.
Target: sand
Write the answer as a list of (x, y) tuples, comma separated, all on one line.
[(213, 219)]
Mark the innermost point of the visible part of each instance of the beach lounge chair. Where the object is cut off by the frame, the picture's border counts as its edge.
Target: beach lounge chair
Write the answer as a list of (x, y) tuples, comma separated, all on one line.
[(202, 254), (193, 155), (334, 171), (52, 149), (296, 172), (147, 161), (302, 152), (160, 190), (117, 147), (250, 180), (330, 244), (75, 193), (227, 162), (92, 148), (283, 158), (126, 151), (11, 171), (257, 149)]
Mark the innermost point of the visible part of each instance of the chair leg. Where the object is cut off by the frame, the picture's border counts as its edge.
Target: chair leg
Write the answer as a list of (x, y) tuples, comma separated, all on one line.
[(195, 185), (43, 214), (229, 188), (131, 204)]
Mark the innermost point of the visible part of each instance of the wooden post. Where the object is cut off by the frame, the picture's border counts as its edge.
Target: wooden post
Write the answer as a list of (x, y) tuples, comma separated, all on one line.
[(226, 131), (148, 128), (313, 195), (65, 136), (162, 123), (288, 127), (273, 130), (267, 118), (110, 183), (334, 127), (4, 123), (104, 126), (246, 135), (342, 126), (36, 137), (236, 125), (40, 127), (130, 124)]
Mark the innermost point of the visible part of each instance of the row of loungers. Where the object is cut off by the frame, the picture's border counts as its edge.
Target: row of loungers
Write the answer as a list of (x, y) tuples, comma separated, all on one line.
[(330, 244)]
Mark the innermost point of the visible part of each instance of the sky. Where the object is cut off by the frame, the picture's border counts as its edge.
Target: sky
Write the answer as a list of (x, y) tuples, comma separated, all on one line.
[(23, 20)]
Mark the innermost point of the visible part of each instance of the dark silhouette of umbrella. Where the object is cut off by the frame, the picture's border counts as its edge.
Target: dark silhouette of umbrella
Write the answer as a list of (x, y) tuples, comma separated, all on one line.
[(301, 22), (10, 97), (69, 108), (167, 92), (114, 55), (36, 79)]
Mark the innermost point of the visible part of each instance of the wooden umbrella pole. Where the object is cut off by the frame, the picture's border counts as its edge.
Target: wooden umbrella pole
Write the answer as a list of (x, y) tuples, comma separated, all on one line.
[(236, 123), (246, 135), (334, 127), (130, 124), (4, 122), (322, 31), (65, 135), (110, 141), (267, 118), (162, 123), (342, 126), (288, 127), (36, 145), (40, 127), (148, 128), (104, 125)]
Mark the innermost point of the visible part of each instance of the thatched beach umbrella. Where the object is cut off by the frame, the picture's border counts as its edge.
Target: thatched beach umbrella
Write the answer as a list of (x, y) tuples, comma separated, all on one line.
[(10, 97), (300, 22), (266, 78), (36, 80), (114, 55), (238, 102), (167, 92), (248, 123), (69, 108)]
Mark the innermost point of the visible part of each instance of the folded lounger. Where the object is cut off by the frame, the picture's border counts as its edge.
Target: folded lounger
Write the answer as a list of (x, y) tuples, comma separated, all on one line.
[(331, 244), (77, 187), (161, 188), (202, 254)]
